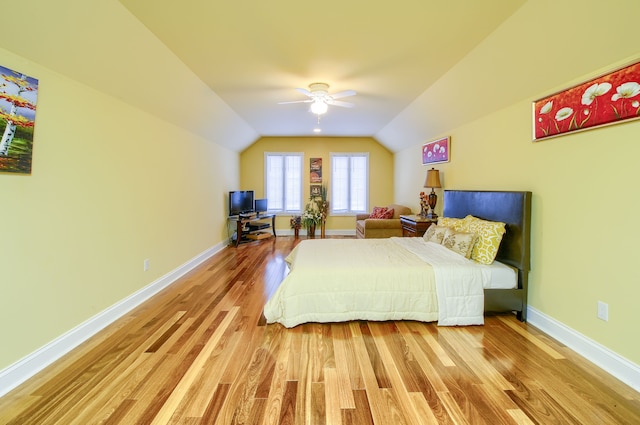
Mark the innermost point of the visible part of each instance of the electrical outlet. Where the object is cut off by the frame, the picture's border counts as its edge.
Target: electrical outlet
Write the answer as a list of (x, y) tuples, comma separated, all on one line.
[(146, 265), (603, 311)]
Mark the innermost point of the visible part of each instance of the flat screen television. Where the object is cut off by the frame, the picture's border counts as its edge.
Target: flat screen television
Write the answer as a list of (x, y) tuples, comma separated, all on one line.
[(240, 202), (261, 206)]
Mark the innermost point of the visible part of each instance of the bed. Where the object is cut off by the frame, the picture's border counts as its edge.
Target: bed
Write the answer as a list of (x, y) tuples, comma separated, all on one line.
[(335, 280)]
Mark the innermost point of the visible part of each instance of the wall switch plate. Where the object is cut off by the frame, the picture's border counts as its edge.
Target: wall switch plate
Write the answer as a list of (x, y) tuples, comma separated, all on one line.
[(146, 265), (603, 311)]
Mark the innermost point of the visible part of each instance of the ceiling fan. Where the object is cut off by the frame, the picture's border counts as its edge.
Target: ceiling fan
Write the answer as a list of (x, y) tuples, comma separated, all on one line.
[(320, 98)]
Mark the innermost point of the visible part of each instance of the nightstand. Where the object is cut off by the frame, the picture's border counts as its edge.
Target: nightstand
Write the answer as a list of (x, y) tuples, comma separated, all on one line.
[(414, 225)]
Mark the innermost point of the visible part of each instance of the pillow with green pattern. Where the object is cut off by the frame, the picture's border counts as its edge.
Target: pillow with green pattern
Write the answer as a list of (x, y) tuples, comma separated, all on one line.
[(459, 242)]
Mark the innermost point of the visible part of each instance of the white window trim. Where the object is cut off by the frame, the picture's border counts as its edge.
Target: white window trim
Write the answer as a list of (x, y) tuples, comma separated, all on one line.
[(301, 155), (363, 154)]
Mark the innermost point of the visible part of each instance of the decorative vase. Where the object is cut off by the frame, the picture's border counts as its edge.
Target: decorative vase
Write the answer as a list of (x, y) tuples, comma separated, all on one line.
[(323, 228), (296, 232), (424, 209), (311, 231)]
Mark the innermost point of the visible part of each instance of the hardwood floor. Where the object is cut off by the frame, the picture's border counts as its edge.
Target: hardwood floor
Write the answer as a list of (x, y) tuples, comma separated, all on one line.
[(201, 353)]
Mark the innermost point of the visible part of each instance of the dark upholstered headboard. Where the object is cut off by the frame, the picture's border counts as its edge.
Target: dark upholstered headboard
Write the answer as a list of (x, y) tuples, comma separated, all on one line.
[(512, 208)]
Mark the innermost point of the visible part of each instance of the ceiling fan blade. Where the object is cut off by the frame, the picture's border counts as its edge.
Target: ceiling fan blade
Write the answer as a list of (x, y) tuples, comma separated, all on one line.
[(304, 91), (344, 93), (341, 103), (296, 101)]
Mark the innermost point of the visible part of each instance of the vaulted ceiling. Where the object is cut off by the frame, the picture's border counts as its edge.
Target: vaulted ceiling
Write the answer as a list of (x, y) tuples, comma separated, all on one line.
[(253, 54), (220, 68)]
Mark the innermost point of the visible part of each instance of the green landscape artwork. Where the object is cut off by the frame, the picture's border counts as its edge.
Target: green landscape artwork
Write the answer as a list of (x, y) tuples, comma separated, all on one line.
[(18, 96)]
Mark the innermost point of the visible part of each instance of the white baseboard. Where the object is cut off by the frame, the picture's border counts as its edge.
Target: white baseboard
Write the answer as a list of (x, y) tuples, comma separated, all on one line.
[(614, 364), (33, 363)]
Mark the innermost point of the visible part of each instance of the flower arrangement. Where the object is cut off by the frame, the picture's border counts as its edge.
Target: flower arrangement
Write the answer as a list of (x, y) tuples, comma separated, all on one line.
[(295, 222), (424, 204), (311, 216)]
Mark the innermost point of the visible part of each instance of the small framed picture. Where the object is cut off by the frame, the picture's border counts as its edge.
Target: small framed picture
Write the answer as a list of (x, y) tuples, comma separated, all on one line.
[(315, 168), (436, 151), (316, 190)]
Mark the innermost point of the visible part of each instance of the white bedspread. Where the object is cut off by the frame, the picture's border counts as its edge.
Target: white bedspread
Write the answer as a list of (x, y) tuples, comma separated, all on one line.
[(335, 280), (460, 282)]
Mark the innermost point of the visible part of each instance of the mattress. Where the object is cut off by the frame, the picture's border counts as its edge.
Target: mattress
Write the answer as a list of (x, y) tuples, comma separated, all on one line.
[(502, 276)]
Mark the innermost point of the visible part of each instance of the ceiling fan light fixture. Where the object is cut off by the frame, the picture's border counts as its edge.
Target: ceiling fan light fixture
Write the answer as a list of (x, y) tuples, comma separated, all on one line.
[(319, 88), (319, 107), (320, 99)]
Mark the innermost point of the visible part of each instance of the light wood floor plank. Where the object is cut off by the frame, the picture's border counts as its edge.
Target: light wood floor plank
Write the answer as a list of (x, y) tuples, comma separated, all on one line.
[(277, 391), (187, 381), (383, 337), (414, 339), (332, 397), (424, 413), (340, 334)]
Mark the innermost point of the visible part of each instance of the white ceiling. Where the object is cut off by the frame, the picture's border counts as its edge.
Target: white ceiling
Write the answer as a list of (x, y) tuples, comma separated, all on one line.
[(253, 54)]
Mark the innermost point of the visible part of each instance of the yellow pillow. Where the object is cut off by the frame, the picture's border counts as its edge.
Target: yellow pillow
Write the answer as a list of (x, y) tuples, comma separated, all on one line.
[(459, 224), (435, 234), (489, 237), (459, 242)]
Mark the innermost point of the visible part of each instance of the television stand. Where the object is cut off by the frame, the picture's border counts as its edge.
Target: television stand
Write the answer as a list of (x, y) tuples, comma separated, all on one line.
[(246, 232)]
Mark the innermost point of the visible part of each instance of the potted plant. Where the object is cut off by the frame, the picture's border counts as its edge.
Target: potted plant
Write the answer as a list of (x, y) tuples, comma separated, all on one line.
[(296, 222), (311, 217), (323, 207)]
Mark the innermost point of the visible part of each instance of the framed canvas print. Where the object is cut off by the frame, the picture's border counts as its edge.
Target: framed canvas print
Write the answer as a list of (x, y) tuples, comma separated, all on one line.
[(436, 151), (18, 97), (609, 99), (315, 166)]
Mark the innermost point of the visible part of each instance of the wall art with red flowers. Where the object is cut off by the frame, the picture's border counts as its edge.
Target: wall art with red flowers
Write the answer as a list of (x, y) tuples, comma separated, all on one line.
[(609, 99), (436, 151)]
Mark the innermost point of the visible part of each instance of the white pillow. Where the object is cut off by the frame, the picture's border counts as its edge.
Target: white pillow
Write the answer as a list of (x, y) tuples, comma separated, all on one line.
[(459, 242), (435, 233)]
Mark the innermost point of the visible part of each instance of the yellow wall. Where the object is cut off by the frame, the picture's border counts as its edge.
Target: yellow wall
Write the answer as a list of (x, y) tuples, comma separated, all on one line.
[(584, 205), (110, 187), (584, 185), (380, 169)]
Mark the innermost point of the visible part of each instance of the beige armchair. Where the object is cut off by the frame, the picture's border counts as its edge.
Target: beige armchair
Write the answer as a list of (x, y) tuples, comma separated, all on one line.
[(368, 228)]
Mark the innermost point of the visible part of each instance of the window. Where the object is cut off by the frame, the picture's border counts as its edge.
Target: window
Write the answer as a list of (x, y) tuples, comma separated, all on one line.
[(349, 183), (283, 181)]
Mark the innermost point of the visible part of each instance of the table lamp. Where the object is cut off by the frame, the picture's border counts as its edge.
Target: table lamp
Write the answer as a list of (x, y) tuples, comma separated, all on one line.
[(432, 181)]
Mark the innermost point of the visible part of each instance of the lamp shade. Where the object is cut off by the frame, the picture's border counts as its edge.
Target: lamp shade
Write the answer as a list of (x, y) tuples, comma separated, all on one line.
[(433, 178)]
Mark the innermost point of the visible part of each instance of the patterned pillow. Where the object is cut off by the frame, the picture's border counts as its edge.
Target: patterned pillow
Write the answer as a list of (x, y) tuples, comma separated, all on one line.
[(459, 242), (381, 212), (489, 237), (459, 224), (435, 234)]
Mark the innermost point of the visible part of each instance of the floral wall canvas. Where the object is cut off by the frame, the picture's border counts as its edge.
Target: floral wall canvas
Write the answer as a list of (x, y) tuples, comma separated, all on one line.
[(18, 96), (436, 151), (315, 165), (609, 99)]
